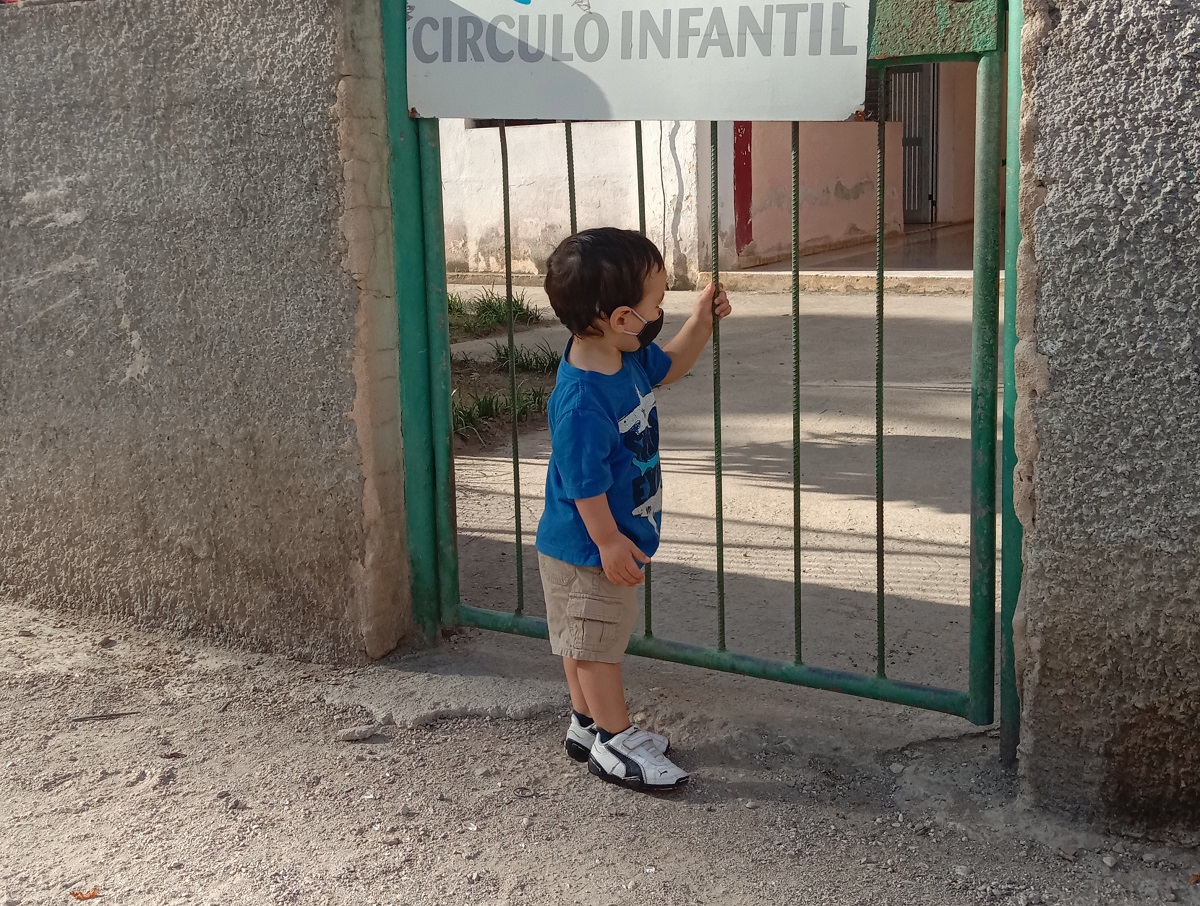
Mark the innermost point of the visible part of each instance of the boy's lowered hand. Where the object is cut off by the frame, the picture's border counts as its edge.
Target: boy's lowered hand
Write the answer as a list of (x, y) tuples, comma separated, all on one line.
[(619, 557), (622, 560)]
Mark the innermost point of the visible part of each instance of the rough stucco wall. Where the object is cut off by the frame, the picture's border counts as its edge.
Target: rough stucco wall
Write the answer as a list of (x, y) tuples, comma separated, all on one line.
[(197, 332), (1109, 425)]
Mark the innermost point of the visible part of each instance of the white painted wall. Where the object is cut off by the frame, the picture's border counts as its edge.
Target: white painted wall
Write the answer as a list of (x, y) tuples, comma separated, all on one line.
[(726, 223), (606, 192)]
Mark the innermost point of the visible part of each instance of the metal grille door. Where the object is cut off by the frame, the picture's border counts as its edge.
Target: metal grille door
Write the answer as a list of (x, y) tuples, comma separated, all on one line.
[(914, 93)]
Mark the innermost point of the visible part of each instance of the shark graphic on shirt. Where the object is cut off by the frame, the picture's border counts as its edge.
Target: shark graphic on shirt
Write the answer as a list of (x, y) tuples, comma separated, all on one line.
[(639, 419), (647, 488), (650, 509)]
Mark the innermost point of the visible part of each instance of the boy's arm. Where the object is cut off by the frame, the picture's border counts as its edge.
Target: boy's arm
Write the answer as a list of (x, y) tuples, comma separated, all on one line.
[(619, 556), (685, 347)]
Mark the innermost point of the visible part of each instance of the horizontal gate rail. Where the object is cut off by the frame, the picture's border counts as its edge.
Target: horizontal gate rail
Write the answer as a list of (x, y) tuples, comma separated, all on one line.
[(930, 698)]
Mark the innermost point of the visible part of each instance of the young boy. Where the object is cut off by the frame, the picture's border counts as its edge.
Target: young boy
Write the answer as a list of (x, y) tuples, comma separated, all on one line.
[(604, 486)]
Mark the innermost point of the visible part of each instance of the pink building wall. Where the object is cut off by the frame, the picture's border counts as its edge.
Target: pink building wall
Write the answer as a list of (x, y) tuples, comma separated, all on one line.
[(837, 188), (956, 143)]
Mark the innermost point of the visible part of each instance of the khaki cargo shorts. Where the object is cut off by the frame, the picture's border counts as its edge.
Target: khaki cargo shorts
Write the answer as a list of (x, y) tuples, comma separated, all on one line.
[(590, 619)]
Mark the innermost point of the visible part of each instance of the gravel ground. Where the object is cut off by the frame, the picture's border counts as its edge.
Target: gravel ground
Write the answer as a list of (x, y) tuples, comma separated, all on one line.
[(161, 771)]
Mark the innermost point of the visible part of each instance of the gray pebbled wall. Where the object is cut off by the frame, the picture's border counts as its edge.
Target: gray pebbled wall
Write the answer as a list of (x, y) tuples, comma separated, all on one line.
[(1109, 424), (198, 379)]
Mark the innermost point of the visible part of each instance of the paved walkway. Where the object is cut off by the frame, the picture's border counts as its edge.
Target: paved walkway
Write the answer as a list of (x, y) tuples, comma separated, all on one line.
[(929, 251)]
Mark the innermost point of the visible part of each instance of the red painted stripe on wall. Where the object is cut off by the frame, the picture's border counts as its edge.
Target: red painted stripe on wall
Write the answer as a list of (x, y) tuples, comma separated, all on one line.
[(743, 185)]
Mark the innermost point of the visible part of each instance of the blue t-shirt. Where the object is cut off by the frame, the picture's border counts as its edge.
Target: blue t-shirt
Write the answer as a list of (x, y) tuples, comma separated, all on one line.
[(604, 440)]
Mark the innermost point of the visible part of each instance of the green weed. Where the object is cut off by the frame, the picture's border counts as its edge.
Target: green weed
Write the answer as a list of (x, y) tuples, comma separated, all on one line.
[(542, 358), (486, 312), (472, 415), (456, 306)]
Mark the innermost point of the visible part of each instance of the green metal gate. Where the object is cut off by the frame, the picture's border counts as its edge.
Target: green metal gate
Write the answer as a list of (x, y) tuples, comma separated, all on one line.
[(940, 30)]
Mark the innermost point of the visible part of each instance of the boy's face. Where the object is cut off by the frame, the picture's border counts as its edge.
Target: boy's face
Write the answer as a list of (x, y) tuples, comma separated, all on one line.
[(625, 325)]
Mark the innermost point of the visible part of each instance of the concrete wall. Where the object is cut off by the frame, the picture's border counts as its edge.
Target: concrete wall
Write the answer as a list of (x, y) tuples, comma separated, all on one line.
[(1109, 424), (837, 187), (606, 192), (838, 191), (197, 320)]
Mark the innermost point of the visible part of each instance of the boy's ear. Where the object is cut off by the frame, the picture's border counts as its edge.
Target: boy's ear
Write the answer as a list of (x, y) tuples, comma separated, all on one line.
[(619, 316)]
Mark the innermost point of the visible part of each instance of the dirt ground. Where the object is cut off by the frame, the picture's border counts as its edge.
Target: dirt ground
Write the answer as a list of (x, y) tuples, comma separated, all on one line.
[(163, 771), (224, 782)]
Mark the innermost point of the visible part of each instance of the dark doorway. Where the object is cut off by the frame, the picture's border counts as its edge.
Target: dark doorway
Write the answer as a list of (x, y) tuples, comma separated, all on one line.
[(913, 93)]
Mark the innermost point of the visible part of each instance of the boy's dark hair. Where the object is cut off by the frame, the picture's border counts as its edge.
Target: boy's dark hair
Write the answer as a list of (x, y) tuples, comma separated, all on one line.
[(593, 273)]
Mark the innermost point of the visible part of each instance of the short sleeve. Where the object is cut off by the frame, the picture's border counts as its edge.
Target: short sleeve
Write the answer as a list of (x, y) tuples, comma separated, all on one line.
[(654, 362), (581, 442)]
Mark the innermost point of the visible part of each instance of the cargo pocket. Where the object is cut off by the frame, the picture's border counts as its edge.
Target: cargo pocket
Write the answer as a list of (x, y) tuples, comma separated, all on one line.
[(595, 624)]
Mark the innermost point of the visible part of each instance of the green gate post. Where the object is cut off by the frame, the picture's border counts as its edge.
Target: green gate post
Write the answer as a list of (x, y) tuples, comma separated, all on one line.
[(438, 322), (424, 398), (984, 329), (1011, 531)]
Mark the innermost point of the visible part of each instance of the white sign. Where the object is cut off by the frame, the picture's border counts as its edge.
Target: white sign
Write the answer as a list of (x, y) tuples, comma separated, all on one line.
[(627, 60)]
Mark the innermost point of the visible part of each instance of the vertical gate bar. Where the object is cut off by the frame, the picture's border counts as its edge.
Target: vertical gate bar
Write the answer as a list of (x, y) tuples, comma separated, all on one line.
[(641, 195), (408, 236), (716, 345), (648, 623), (512, 366), (641, 177), (796, 554), (984, 331), (880, 224), (571, 179), (1011, 531), (439, 369)]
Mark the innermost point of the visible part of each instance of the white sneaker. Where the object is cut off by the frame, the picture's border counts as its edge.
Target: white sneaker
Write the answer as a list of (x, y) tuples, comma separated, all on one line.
[(633, 759), (580, 739)]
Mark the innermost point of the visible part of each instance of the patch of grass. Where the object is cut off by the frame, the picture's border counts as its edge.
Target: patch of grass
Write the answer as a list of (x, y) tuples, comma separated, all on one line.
[(474, 416), (539, 359), (486, 312), (456, 307)]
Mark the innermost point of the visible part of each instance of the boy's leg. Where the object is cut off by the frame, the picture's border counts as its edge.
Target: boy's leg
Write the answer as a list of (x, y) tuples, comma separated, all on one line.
[(603, 693), (590, 621), (578, 700)]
